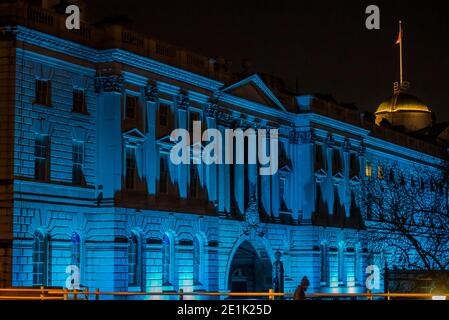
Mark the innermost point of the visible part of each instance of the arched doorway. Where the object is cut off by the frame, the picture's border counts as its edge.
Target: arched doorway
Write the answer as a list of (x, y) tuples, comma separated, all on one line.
[(250, 271)]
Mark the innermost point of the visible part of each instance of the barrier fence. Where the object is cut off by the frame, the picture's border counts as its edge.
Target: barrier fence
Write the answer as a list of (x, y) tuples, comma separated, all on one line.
[(43, 293)]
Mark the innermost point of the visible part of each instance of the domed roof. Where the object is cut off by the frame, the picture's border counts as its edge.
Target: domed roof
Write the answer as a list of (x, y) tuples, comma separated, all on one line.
[(402, 101)]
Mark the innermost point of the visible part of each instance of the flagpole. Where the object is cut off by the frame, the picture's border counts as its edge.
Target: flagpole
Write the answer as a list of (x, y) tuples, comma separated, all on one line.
[(400, 55)]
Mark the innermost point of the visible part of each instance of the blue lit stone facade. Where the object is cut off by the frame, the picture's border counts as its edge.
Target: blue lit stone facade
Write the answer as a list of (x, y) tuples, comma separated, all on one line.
[(136, 222)]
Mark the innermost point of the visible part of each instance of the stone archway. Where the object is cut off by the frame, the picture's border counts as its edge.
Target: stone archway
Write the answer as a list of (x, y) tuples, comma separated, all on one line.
[(250, 270)]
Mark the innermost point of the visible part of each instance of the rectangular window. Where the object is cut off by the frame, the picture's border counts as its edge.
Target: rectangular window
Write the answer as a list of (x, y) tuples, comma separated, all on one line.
[(42, 157), (133, 261), (368, 169), (131, 106), (131, 168), (354, 165), (79, 101), (380, 172), (319, 159), (194, 116), (163, 175), (337, 165), (194, 182), (40, 253), (78, 162), (43, 92), (163, 115)]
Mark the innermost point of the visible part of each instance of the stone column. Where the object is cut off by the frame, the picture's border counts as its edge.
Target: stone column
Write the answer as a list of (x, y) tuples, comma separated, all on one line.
[(212, 169), (150, 150), (305, 173), (183, 173), (109, 126), (296, 201)]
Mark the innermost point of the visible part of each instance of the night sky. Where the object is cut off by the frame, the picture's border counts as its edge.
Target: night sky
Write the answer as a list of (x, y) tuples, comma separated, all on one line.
[(322, 46)]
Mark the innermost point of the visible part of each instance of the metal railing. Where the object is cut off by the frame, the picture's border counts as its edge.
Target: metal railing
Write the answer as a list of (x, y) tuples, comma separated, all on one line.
[(65, 294)]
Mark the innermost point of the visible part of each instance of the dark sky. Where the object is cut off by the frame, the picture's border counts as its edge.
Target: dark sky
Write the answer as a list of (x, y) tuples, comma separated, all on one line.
[(323, 44)]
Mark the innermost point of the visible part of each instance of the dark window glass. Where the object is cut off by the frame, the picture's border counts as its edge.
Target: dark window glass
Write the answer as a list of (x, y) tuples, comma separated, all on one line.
[(43, 92), (163, 178), (163, 115), (194, 182), (40, 259), (197, 252), (79, 101), (166, 252), (131, 168), (42, 157), (131, 106), (324, 259), (133, 260), (78, 162)]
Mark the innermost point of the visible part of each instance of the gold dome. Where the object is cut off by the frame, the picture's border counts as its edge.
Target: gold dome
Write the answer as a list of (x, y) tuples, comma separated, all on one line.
[(401, 102), (404, 110)]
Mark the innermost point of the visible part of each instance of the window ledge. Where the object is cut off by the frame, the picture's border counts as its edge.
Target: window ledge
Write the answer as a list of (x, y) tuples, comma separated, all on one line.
[(82, 115), (42, 106)]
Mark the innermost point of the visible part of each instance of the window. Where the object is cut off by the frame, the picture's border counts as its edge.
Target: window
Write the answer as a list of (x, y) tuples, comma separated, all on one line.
[(341, 265), (76, 250), (43, 92), (194, 182), (319, 159), (354, 165), (166, 260), (40, 251), (282, 191), (194, 116), (380, 172), (197, 258), (163, 115), (368, 169), (131, 106), (336, 161), (357, 266), (79, 101), (131, 168), (42, 157), (133, 260), (324, 260), (78, 162), (163, 175)]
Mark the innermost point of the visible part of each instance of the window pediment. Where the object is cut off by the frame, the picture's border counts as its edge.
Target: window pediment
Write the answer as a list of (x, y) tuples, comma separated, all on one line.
[(134, 137)]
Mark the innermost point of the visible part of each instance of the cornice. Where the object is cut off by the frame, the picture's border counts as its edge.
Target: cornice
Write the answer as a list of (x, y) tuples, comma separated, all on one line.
[(76, 50)]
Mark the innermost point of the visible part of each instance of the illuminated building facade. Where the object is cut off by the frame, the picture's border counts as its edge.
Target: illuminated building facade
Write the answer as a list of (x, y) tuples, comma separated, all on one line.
[(86, 178)]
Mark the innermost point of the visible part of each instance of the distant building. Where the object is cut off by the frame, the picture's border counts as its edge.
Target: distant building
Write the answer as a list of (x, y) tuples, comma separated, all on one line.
[(86, 179)]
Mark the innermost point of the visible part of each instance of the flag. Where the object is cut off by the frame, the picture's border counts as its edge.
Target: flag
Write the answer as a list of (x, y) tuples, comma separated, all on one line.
[(399, 40)]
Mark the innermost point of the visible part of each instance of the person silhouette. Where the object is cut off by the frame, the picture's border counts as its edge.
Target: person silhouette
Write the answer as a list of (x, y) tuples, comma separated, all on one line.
[(300, 292)]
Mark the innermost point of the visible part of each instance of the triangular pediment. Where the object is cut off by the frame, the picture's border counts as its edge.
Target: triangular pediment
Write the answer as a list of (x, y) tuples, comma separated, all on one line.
[(255, 90), (134, 136)]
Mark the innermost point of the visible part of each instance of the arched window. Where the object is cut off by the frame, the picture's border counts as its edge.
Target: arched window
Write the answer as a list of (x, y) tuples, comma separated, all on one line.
[(198, 252), (357, 265), (134, 260), (341, 265), (76, 250), (324, 260), (166, 261), (40, 259)]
